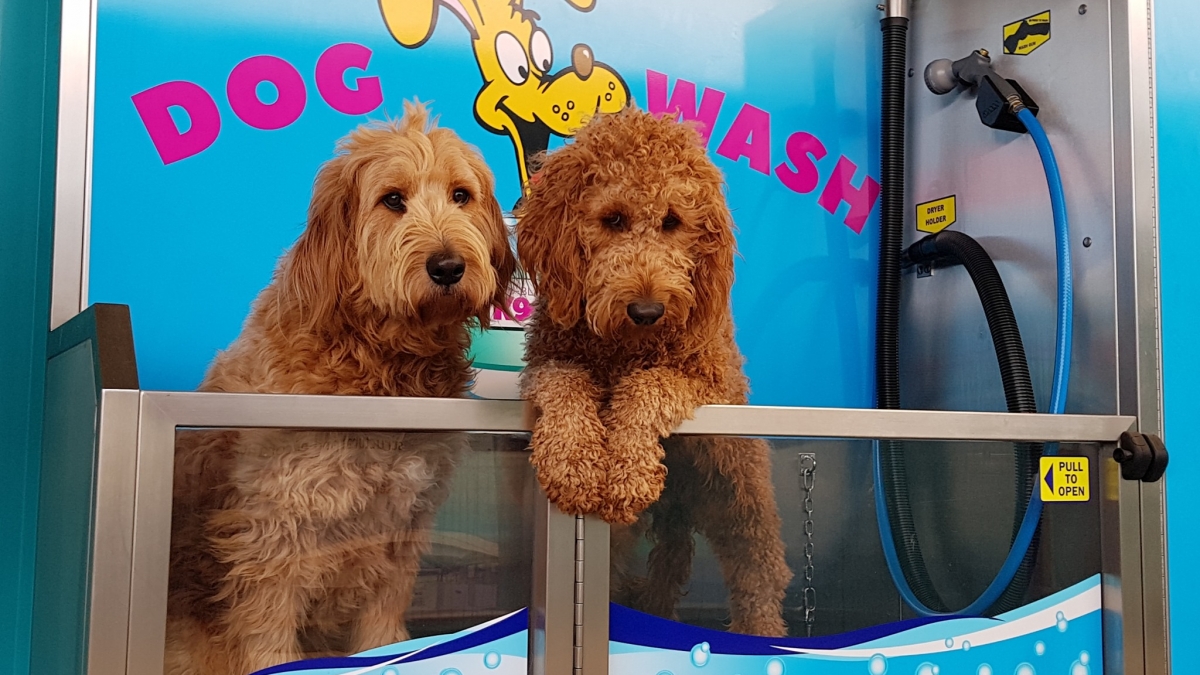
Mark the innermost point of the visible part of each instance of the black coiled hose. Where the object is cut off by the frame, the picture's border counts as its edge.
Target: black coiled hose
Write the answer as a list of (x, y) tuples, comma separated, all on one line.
[(1018, 388), (958, 248), (887, 312)]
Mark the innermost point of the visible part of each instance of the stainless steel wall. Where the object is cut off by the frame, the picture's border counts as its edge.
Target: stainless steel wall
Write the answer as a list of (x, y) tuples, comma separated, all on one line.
[(962, 494), (1002, 200)]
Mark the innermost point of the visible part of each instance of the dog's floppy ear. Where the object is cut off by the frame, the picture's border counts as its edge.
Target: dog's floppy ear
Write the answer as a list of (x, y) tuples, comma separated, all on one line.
[(712, 277), (503, 261), (314, 276), (549, 244)]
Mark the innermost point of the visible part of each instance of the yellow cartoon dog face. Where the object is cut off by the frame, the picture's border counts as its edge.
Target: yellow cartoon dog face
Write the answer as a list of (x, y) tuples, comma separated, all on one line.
[(521, 97)]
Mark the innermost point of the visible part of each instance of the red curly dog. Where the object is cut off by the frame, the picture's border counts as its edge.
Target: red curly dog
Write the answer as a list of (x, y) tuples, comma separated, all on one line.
[(629, 242)]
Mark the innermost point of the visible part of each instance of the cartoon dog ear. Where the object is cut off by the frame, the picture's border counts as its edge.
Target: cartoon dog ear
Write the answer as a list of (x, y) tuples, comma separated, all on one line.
[(411, 22), (549, 244), (582, 5), (314, 275), (712, 277)]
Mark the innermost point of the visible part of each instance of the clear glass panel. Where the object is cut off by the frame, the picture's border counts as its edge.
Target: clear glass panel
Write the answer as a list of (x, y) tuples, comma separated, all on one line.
[(289, 545), (962, 498)]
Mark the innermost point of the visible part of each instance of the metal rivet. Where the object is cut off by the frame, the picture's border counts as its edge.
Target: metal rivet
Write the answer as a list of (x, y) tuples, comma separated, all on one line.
[(1083, 9), (1087, 242)]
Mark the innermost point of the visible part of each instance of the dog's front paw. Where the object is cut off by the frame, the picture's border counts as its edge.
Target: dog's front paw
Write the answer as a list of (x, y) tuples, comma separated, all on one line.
[(636, 477), (570, 463)]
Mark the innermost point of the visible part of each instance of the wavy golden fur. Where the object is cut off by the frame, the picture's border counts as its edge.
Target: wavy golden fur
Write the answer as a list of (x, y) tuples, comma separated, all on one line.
[(630, 245), (288, 544)]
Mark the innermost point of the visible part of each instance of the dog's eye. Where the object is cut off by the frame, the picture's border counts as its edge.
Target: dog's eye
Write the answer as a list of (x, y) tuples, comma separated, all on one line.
[(394, 201), (670, 222), (614, 221), (461, 196)]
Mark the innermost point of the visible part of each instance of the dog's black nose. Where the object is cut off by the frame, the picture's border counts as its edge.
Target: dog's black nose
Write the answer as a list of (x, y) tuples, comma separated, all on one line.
[(445, 269), (645, 313)]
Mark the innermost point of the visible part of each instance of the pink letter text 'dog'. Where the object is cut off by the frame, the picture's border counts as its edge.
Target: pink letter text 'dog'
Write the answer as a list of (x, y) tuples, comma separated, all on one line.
[(242, 89)]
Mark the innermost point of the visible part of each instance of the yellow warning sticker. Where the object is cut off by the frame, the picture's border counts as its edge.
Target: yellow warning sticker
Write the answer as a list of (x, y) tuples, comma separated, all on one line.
[(936, 215), (1024, 36), (1065, 479)]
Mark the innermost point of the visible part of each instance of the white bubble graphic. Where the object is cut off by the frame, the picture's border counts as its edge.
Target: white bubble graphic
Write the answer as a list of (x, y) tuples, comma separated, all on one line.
[(966, 646), (984, 669), (877, 665), (448, 671), (1078, 668), (927, 669), (1084, 657), (491, 660), (665, 672), (949, 642), (700, 654), (1024, 669), (1062, 626), (393, 671), (775, 667), (1060, 620), (1039, 647)]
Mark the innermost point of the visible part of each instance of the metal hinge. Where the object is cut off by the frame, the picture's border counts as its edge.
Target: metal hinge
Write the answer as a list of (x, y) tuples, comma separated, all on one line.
[(577, 633)]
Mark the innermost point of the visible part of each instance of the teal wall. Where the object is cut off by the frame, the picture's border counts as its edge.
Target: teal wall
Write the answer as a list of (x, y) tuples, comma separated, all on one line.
[(28, 108)]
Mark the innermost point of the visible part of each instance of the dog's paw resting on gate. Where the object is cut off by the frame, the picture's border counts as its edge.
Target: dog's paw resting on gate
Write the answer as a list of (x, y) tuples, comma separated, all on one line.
[(629, 243)]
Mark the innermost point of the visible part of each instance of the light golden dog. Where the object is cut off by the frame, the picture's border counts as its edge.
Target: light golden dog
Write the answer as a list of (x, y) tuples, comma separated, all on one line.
[(293, 544), (630, 245)]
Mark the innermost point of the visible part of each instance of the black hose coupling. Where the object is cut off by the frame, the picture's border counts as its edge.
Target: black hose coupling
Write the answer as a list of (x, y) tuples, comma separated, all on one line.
[(1142, 457), (998, 100), (895, 12)]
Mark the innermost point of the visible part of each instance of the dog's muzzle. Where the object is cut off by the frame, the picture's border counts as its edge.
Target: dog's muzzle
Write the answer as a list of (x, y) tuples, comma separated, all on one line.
[(445, 269), (645, 313)]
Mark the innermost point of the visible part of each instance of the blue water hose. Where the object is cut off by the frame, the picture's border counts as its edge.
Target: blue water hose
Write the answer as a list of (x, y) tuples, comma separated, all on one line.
[(1062, 244), (1058, 402)]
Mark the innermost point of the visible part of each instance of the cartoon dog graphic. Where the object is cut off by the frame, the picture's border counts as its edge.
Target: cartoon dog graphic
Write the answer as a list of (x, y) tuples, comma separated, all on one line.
[(520, 97)]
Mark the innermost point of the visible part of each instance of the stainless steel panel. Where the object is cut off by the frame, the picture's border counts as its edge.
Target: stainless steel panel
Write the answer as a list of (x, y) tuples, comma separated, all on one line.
[(479, 475), (151, 539), (73, 181), (1155, 586), (596, 567), (551, 634), (340, 412), (417, 414), (964, 540), (947, 355), (1094, 81), (901, 424), (112, 544), (1141, 358)]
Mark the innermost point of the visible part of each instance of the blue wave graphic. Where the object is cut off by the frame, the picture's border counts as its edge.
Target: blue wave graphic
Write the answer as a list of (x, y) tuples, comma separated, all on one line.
[(512, 624), (1060, 634), (645, 630)]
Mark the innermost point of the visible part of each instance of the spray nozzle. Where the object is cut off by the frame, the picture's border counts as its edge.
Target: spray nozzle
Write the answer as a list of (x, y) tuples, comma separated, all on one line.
[(998, 99)]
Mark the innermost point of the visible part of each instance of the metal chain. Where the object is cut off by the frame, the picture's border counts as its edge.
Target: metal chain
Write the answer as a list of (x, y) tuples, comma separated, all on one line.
[(808, 471)]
